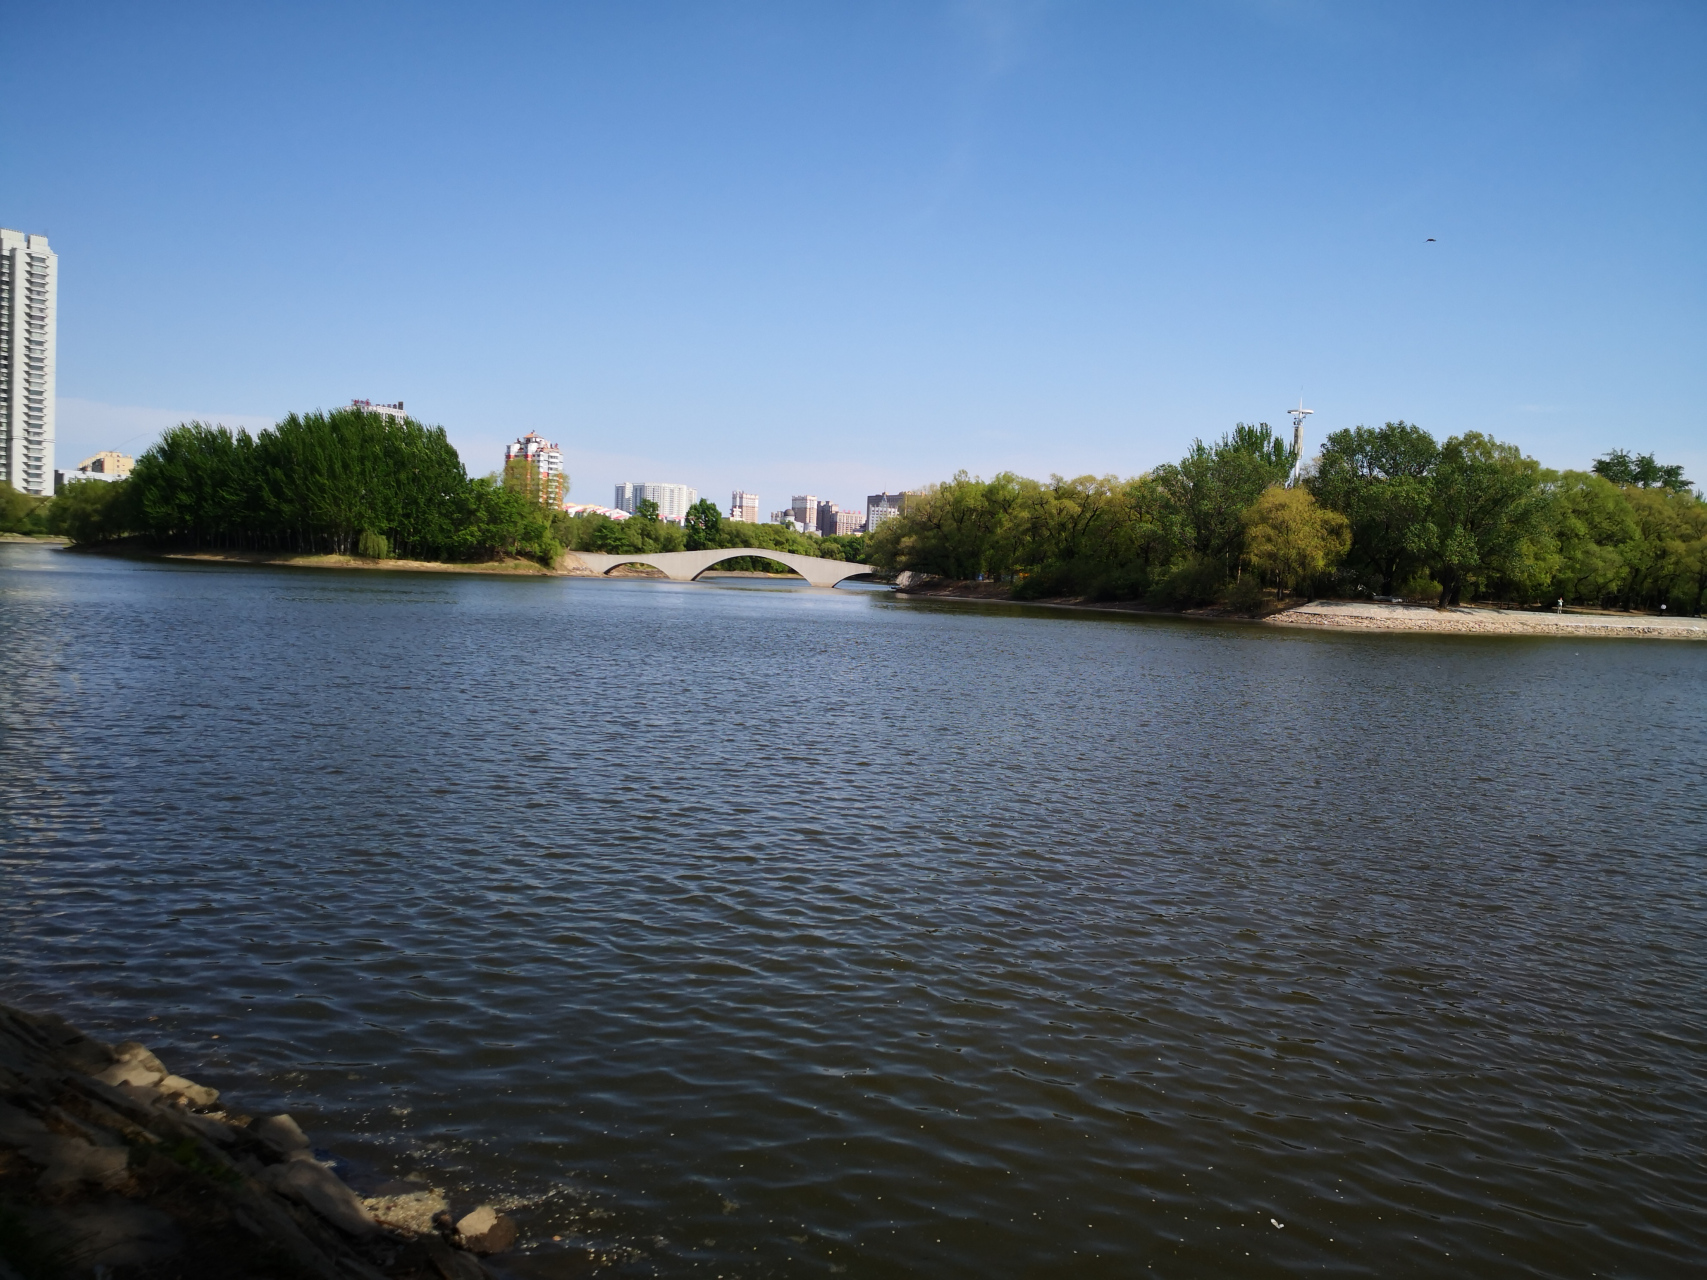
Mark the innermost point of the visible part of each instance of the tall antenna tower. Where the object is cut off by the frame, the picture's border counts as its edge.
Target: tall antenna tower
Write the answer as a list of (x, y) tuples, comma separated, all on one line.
[(1298, 416)]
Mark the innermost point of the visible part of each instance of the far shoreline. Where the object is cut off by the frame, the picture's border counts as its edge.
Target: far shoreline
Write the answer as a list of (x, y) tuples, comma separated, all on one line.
[(1319, 614), (515, 567), (1366, 615)]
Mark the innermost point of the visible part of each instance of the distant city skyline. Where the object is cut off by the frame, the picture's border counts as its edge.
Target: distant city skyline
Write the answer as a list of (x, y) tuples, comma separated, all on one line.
[(856, 248)]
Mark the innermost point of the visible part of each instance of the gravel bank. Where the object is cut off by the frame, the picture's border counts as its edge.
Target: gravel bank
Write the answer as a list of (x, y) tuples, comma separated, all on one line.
[(1360, 615), (1375, 616)]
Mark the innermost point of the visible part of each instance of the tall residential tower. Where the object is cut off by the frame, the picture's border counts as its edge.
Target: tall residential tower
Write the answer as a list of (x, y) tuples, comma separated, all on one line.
[(29, 287), (673, 499)]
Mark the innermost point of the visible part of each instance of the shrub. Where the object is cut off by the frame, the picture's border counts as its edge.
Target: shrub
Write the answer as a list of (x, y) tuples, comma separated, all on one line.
[(1194, 581), (89, 511), (1244, 596)]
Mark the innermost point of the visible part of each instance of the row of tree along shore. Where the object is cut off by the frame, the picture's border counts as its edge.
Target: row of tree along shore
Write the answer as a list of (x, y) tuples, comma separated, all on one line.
[(356, 483), (1384, 511)]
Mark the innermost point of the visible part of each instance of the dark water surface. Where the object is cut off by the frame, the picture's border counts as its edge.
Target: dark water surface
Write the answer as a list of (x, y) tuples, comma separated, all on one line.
[(762, 932)]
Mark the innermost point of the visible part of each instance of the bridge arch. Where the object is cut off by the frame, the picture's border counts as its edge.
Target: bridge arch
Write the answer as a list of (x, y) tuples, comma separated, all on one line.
[(685, 566)]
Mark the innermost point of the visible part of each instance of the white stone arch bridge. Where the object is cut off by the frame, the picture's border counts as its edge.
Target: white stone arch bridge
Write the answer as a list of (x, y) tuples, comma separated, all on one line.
[(685, 566)]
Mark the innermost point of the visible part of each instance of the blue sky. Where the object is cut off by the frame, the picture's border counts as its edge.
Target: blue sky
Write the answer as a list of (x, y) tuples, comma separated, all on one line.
[(835, 248)]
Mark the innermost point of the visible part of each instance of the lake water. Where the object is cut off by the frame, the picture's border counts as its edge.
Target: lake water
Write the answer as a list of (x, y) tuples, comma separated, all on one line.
[(753, 931)]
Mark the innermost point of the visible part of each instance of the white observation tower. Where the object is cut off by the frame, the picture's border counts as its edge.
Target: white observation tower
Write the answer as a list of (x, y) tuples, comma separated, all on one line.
[(1298, 416)]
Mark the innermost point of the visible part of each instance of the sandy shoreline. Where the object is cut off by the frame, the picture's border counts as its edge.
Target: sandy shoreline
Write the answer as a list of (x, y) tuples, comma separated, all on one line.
[(525, 568), (1370, 615), (1362, 615)]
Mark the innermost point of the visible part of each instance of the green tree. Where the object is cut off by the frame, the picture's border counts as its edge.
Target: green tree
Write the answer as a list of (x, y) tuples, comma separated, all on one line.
[(22, 512), (495, 521), (703, 525), (1655, 556), (1213, 485), (1593, 523), (1292, 538), (318, 482), (1641, 470), (1689, 591), (1488, 520), (641, 532), (1382, 481), (1097, 537), (90, 511), (949, 529)]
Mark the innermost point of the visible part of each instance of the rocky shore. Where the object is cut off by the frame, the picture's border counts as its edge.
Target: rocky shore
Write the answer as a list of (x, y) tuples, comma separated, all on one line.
[(114, 1168)]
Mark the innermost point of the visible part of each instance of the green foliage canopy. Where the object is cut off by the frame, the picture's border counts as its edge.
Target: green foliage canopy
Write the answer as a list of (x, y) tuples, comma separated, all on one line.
[(703, 524), (1382, 481), (319, 482), (1469, 518), (1642, 471), (1293, 538), (22, 512)]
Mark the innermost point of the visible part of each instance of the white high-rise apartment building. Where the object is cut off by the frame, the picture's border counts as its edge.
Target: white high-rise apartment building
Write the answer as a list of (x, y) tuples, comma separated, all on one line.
[(673, 499), (29, 288), (547, 461)]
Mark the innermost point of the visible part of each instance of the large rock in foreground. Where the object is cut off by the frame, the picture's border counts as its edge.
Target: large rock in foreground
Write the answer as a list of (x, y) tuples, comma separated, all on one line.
[(109, 1164)]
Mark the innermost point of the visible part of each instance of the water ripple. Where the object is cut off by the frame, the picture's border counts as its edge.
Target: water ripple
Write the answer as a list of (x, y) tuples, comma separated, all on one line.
[(778, 933)]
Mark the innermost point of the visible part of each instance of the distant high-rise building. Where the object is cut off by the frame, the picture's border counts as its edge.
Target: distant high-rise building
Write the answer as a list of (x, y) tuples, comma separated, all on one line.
[(744, 506), (105, 465), (29, 310), (538, 450), (803, 507), (832, 520), (880, 507), (673, 499), (392, 411), (546, 478)]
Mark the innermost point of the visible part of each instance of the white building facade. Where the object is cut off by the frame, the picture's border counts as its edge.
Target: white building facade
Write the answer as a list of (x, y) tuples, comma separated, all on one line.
[(29, 311), (744, 506), (880, 507), (546, 457), (392, 411), (673, 499)]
